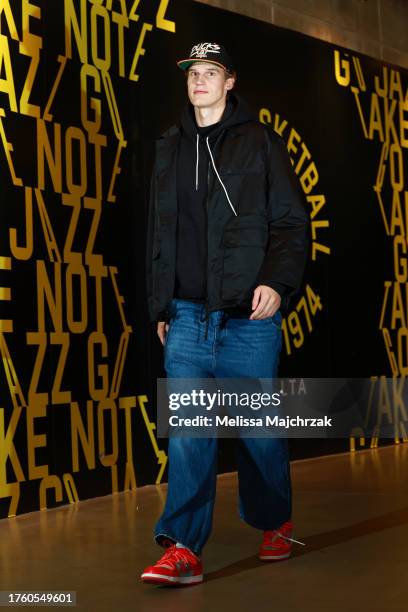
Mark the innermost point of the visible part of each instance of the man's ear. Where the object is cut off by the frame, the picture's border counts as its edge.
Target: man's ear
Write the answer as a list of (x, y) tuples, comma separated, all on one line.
[(229, 83)]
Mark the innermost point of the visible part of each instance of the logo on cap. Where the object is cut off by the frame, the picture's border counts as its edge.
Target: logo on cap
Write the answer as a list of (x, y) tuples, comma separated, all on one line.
[(202, 49)]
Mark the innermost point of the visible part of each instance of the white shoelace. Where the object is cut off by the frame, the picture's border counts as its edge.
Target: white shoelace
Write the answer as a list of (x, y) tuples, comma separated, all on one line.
[(292, 540)]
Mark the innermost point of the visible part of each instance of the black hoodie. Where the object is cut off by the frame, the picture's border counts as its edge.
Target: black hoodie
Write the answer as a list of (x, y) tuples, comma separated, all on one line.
[(193, 167)]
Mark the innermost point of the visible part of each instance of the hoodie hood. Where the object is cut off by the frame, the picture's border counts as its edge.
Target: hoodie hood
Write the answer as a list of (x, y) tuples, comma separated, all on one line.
[(236, 112)]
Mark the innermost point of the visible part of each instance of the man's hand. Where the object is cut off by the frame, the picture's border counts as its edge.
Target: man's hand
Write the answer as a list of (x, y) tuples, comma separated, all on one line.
[(162, 329), (265, 303)]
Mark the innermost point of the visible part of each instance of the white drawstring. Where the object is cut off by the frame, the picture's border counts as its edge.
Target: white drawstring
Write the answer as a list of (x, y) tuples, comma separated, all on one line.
[(219, 178), (197, 164)]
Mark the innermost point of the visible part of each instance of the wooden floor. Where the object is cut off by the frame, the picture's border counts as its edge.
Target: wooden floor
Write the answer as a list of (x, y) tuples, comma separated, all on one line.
[(351, 510)]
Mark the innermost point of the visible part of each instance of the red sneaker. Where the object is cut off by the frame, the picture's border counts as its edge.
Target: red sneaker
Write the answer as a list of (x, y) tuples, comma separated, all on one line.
[(277, 544), (177, 566)]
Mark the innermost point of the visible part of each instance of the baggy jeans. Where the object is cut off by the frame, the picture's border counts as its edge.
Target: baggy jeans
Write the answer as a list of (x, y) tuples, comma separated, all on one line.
[(229, 347)]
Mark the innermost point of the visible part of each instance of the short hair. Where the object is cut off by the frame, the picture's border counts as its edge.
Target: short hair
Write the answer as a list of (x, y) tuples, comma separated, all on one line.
[(231, 74)]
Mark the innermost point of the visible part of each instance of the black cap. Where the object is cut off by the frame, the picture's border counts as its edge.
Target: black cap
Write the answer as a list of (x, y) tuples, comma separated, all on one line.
[(208, 52)]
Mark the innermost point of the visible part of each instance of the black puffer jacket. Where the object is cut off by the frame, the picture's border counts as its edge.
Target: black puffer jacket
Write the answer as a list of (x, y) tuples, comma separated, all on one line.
[(257, 223)]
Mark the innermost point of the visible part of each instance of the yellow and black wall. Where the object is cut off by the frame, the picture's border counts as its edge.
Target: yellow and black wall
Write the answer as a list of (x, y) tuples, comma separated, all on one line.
[(85, 87)]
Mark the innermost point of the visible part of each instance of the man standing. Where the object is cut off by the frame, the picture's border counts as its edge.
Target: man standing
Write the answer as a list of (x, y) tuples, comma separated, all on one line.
[(227, 246)]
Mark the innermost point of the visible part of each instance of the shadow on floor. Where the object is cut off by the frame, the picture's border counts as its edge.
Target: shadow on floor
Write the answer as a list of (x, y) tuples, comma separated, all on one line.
[(320, 541)]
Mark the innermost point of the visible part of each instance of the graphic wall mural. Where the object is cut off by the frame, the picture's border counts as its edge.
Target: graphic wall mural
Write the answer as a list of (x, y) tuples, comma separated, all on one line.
[(85, 88)]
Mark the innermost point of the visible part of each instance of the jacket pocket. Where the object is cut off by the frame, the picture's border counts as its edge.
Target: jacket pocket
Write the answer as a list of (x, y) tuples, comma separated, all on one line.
[(243, 253)]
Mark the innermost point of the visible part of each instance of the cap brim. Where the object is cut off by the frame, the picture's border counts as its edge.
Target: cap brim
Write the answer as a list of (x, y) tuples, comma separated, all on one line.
[(186, 63)]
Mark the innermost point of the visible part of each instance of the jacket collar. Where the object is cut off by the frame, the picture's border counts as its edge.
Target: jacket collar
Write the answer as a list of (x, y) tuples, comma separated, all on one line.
[(236, 115)]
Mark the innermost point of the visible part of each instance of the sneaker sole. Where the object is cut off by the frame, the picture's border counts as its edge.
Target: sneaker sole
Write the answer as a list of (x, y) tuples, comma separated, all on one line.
[(274, 557), (173, 580)]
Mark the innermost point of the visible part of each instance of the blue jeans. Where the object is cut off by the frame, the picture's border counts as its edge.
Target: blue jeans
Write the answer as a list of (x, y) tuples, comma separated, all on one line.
[(231, 347)]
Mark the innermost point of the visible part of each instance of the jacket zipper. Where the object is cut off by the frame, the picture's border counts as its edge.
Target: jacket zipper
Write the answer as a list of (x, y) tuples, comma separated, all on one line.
[(207, 310), (206, 256)]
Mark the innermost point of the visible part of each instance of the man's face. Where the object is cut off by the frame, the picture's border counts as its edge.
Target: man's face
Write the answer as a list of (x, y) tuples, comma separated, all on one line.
[(207, 85)]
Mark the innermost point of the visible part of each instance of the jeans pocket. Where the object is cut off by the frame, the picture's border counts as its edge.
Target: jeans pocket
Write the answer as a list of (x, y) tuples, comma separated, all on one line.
[(276, 319)]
